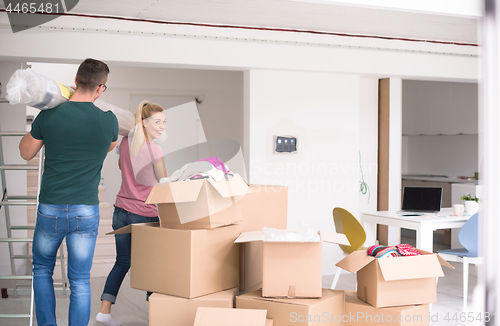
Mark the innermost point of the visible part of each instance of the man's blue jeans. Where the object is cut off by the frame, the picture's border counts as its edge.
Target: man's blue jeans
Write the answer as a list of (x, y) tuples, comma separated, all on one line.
[(123, 241), (79, 224)]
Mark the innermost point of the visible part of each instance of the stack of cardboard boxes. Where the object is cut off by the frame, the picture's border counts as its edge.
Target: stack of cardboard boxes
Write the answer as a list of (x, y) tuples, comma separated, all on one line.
[(207, 264), (189, 259)]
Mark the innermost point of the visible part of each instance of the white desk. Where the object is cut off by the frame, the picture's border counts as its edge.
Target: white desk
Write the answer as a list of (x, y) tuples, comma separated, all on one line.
[(424, 225)]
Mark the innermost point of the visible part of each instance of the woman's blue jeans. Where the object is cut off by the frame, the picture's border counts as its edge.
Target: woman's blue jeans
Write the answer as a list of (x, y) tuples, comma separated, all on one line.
[(79, 224), (121, 267)]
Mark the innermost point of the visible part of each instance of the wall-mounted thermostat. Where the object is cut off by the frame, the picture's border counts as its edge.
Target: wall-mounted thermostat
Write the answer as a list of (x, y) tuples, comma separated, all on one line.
[(285, 144)]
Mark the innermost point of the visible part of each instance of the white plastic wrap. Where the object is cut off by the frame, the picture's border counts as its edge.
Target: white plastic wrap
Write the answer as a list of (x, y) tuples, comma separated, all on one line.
[(30, 88), (126, 119), (305, 234)]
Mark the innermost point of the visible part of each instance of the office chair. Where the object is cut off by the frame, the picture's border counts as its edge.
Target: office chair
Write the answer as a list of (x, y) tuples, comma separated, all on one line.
[(468, 238), (349, 225)]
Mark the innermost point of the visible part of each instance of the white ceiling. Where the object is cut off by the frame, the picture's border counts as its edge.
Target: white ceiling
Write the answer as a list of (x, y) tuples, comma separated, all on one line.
[(309, 15)]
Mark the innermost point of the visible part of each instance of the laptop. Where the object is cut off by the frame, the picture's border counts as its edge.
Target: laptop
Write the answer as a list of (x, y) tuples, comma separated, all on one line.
[(421, 200)]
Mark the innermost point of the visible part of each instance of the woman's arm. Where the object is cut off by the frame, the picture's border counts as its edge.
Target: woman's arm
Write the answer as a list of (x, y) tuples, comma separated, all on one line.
[(159, 169)]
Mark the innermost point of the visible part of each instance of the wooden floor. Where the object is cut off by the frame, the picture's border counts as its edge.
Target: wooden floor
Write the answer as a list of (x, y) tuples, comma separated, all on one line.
[(131, 308)]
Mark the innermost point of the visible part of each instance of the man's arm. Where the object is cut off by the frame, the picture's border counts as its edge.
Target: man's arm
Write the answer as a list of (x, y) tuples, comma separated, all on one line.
[(113, 144), (29, 146)]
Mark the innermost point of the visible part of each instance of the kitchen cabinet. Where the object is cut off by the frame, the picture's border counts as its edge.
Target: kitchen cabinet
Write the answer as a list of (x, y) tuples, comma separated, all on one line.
[(439, 108)]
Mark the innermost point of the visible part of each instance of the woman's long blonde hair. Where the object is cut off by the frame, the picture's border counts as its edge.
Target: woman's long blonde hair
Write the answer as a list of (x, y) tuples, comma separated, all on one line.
[(144, 111)]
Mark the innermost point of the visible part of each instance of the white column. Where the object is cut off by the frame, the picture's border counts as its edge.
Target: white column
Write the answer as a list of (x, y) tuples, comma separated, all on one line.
[(395, 153), (489, 159)]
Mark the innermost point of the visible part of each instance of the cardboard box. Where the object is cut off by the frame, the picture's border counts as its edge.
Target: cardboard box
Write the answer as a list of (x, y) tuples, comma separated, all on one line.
[(184, 263), (199, 204), (395, 281), (325, 311), (171, 310), (229, 317), (250, 266), (360, 313), (263, 206), (292, 269)]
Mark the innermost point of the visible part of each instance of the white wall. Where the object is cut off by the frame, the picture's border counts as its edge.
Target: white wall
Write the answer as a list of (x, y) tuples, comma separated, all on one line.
[(322, 111), (12, 118), (395, 146), (368, 142)]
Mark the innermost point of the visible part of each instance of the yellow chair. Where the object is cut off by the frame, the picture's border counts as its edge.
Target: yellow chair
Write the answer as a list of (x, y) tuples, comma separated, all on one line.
[(349, 225)]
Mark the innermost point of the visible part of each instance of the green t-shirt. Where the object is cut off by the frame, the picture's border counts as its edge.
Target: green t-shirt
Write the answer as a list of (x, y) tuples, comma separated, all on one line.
[(76, 136)]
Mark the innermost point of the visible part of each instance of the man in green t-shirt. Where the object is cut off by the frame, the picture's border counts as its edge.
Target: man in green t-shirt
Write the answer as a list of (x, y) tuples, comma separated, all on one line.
[(77, 135)]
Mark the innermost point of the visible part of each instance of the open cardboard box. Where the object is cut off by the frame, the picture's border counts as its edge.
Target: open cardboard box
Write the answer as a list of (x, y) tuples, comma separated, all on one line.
[(395, 281), (325, 311), (207, 316), (171, 310), (184, 263), (263, 206), (292, 269), (360, 313), (199, 204)]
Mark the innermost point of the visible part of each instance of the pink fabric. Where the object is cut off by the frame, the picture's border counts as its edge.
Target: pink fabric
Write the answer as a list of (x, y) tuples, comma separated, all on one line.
[(132, 193), (217, 162), (407, 250)]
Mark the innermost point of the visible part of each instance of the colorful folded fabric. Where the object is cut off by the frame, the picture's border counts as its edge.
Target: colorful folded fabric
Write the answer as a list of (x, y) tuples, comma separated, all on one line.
[(407, 250), (389, 252), (392, 251), (370, 250)]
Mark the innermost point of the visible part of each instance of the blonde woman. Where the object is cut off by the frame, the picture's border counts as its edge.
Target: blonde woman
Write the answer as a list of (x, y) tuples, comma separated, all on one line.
[(141, 164)]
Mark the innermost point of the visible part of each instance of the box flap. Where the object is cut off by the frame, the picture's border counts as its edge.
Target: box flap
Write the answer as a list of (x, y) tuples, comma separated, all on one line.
[(175, 192), (333, 237), (355, 261), (250, 236), (235, 186), (302, 302), (413, 267), (444, 263), (326, 236), (208, 316), (128, 228)]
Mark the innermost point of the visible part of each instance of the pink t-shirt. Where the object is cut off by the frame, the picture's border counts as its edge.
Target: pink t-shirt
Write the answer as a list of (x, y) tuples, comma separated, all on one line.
[(138, 178)]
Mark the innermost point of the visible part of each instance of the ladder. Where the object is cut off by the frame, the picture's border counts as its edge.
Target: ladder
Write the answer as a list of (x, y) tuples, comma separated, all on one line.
[(9, 200)]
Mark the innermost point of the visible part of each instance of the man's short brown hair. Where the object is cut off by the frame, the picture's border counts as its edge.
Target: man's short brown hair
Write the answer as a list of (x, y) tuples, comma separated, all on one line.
[(91, 74)]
